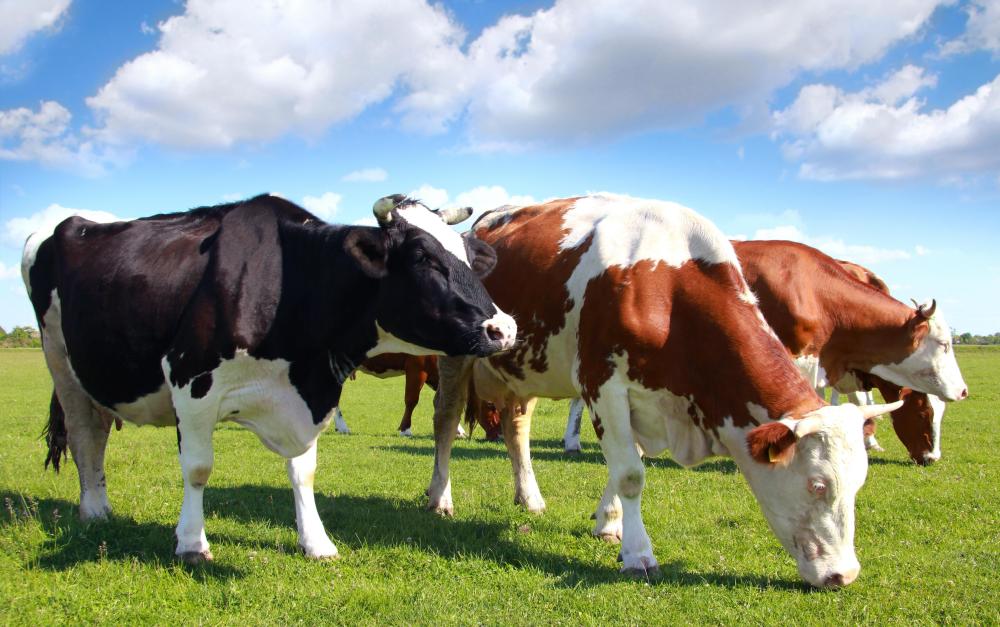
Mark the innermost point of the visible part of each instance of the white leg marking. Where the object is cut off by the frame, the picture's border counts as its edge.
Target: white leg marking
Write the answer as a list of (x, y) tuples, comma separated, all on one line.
[(196, 457), (608, 517), (312, 535), (627, 475)]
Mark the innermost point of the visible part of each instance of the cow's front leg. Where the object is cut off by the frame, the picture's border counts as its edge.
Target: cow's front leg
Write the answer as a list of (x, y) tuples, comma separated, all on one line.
[(627, 476), (196, 455), (312, 535), (452, 393), (517, 437)]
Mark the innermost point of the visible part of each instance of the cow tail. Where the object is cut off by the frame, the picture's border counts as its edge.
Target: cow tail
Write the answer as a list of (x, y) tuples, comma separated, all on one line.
[(55, 434)]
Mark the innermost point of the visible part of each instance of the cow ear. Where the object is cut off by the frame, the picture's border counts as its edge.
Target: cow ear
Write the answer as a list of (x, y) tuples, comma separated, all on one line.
[(482, 258), (367, 247), (771, 443)]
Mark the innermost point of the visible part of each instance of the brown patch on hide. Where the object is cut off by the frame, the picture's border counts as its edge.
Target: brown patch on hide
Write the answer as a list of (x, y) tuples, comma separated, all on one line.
[(686, 330), (529, 280)]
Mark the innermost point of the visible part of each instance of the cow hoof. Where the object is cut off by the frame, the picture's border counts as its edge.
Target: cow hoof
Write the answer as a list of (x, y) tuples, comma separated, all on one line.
[(344, 431), (442, 510), (638, 572), (321, 556), (195, 558), (610, 538), (407, 433), (571, 451)]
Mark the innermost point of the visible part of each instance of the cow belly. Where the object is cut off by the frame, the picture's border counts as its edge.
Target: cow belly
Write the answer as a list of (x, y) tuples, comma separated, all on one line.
[(662, 421), (154, 409), (257, 394), (384, 374)]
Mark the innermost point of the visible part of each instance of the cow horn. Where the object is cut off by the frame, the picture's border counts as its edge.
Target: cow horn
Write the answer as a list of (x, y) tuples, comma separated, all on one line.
[(927, 312), (874, 411), (806, 426), (383, 208), (454, 215)]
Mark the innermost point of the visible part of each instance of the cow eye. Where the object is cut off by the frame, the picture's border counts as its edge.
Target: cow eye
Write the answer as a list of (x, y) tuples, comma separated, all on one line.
[(817, 487)]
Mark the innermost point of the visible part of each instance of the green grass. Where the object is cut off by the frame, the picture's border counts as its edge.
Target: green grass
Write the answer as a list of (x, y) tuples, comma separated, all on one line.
[(928, 538)]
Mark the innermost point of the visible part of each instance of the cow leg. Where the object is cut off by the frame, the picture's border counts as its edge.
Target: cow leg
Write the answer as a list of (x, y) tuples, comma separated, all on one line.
[(452, 392), (87, 437), (608, 517), (312, 535), (571, 439), (627, 476), (415, 379), (862, 398), (196, 457), (516, 427), (86, 433)]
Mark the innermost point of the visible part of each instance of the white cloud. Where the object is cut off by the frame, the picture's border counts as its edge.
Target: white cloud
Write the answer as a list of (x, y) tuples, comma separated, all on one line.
[(433, 197), (233, 197), (231, 71), (584, 70), (45, 136), (8, 273), (367, 175), (884, 132), (23, 18), (369, 221), (836, 248), (325, 207), (146, 29), (16, 230), (982, 30)]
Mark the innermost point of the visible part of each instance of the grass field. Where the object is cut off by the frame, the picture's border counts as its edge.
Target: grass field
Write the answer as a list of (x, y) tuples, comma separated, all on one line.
[(928, 538)]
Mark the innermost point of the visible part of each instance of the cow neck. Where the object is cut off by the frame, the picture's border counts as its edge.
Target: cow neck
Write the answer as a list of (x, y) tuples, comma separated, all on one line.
[(868, 327), (335, 308)]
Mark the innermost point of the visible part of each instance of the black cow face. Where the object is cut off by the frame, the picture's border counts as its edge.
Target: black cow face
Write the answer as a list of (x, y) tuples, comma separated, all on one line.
[(430, 293)]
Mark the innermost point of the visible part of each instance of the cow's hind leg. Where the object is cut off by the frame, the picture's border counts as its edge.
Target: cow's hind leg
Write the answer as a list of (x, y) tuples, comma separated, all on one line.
[(571, 439), (197, 458), (312, 535), (87, 437), (517, 437), (627, 476)]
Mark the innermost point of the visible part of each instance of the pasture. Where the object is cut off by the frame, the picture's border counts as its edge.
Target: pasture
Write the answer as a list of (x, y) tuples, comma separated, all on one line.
[(928, 538)]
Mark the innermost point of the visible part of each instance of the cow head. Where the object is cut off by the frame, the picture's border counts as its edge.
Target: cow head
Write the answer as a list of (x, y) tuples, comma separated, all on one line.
[(931, 366), (805, 474), (431, 299)]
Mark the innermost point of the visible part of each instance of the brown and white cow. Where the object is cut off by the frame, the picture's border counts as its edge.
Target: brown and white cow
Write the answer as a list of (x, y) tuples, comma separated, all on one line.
[(419, 370), (640, 307), (837, 328), (918, 422)]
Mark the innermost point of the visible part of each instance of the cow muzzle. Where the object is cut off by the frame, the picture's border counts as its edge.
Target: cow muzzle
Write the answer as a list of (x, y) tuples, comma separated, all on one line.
[(499, 333)]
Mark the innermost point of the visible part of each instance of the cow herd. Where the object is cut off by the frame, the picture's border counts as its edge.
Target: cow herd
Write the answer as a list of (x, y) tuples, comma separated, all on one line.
[(673, 337)]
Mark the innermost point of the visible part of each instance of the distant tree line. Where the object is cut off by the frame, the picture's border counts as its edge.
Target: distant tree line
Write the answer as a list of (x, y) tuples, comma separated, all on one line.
[(968, 338), (20, 337)]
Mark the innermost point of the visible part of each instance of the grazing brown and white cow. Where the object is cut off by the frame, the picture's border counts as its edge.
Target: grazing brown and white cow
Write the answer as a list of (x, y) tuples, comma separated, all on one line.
[(252, 312), (838, 327), (640, 307), (918, 422)]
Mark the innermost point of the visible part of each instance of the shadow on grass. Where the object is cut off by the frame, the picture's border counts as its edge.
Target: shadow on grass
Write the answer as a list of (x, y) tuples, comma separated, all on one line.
[(70, 542), (355, 522), (881, 461)]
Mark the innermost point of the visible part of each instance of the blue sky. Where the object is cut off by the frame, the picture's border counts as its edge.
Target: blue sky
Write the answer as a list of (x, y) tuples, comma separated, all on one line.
[(869, 131)]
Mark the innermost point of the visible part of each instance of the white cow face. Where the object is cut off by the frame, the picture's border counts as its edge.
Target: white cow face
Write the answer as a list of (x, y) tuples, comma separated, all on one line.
[(931, 368), (805, 475)]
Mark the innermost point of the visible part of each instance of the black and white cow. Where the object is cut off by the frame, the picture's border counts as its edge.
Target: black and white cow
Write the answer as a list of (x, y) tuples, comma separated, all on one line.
[(253, 312)]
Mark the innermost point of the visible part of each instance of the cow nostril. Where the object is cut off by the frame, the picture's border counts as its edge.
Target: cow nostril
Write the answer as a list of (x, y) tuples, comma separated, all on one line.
[(963, 394), (834, 581), (494, 333)]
